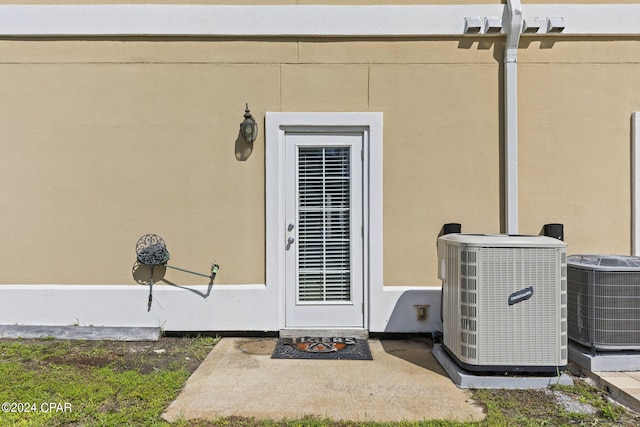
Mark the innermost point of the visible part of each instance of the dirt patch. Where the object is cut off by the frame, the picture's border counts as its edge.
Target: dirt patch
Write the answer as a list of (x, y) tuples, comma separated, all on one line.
[(572, 404), (83, 360), (144, 357)]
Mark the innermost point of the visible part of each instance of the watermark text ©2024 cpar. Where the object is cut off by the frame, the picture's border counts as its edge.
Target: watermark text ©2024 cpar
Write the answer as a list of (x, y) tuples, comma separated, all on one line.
[(24, 407)]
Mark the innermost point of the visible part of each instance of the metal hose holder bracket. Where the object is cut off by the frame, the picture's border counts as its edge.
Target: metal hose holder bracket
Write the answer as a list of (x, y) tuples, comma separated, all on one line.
[(152, 251)]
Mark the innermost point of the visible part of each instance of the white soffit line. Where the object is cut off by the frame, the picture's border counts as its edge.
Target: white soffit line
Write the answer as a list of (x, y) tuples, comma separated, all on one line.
[(209, 20), (296, 20), (590, 19)]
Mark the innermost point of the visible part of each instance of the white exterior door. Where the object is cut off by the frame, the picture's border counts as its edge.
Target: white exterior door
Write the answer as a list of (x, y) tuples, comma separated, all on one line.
[(324, 230)]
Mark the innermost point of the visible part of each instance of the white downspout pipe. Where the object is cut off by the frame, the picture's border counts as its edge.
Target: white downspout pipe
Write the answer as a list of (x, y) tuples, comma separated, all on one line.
[(514, 29), (635, 184)]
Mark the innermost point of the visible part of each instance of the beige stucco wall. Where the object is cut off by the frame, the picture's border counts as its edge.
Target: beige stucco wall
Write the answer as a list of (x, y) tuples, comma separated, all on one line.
[(576, 101), (95, 155), (441, 138), (441, 159), (99, 150), (106, 140)]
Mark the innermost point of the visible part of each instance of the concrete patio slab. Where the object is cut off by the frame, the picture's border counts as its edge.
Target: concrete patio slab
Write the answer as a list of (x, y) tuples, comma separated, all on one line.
[(403, 382), (622, 386)]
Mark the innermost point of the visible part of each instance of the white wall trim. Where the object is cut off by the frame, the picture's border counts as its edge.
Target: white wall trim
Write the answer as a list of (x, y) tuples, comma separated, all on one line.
[(276, 124), (297, 20), (635, 184), (396, 309), (590, 19), (250, 307), (209, 20)]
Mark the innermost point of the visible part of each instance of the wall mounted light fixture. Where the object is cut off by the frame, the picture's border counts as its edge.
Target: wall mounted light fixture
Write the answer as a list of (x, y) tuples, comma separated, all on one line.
[(248, 127)]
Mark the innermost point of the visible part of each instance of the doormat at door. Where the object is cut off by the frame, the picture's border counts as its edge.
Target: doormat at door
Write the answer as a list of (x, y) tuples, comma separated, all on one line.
[(322, 348)]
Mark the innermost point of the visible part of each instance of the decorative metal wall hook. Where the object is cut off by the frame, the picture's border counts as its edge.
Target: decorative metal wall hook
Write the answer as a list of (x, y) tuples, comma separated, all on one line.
[(152, 251)]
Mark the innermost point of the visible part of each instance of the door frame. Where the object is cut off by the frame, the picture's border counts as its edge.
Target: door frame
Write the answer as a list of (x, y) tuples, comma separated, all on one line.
[(276, 126)]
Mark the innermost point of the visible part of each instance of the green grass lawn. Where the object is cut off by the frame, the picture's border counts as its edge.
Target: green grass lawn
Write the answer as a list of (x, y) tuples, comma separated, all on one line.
[(47, 382), (100, 383)]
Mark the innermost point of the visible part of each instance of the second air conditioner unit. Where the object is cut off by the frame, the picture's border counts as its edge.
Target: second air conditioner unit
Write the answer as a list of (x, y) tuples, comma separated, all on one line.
[(504, 301), (604, 301)]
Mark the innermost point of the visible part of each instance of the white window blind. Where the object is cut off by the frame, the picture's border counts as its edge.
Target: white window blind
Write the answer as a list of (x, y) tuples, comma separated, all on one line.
[(324, 271)]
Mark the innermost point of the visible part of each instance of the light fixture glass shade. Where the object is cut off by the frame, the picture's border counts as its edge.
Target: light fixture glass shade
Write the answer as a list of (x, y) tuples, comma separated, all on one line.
[(248, 127)]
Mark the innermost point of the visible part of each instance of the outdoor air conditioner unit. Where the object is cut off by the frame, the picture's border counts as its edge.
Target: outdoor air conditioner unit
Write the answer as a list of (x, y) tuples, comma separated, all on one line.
[(504, 302), (604, 301)]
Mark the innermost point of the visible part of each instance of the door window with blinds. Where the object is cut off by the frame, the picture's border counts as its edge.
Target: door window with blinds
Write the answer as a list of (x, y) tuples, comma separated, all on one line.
[(324, 224)]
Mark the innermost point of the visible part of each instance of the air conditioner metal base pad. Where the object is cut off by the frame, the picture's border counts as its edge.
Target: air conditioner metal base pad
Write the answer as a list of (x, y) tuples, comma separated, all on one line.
[(465, 379)]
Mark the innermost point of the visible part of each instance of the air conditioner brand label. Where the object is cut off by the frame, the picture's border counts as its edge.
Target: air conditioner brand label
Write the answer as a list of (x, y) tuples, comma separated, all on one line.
[(521, 295)]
